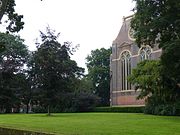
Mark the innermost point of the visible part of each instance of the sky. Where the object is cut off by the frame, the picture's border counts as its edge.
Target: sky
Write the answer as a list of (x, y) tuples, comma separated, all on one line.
[(92, 24)]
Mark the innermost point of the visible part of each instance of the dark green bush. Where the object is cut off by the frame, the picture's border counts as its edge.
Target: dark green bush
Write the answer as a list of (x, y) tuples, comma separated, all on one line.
[(139, 109), (39, 109), (85, 102), (72, 102), (162, 108)]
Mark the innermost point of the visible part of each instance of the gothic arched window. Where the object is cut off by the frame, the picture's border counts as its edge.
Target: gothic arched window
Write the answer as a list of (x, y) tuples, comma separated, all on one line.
[(145, 53), (125, 70)]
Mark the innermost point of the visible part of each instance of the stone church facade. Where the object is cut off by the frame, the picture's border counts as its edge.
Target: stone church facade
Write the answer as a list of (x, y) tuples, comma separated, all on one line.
[(125, 56)]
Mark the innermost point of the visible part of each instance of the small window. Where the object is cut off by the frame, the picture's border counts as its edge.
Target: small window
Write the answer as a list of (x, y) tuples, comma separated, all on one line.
[(145, 53)]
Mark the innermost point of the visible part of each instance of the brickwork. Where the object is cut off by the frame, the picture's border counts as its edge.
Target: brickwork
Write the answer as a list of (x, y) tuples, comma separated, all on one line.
[(127, 100), (120, 44)]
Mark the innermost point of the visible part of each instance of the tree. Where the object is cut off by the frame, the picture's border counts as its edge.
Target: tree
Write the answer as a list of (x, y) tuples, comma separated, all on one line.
[(12, 60), (22, 84), (171, 66), (147, 77), (14, 21), (98, 72), (54, 72), (84, 85), (158, 23)]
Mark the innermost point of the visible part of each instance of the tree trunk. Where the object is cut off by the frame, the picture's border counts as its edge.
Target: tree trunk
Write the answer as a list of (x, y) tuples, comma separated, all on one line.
[(27, 108), (49, 110)]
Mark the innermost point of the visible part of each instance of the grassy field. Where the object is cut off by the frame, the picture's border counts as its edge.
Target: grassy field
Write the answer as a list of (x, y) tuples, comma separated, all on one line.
[(94, 123)]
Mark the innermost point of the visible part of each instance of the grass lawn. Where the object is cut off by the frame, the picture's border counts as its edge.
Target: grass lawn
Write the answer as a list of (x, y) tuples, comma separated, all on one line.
[(94, 123)]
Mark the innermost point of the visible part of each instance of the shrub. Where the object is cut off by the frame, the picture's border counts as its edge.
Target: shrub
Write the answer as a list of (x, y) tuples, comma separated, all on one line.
[(85, 102), (162, 108), (72, 102), (39, 109), (139, 109)]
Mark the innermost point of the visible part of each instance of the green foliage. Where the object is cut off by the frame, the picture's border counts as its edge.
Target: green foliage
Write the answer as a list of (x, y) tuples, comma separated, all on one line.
[(72, 102), (23, 88), (85, 85), (157, 23), (171, 66), (14, 51), (146, 77), (130, 109), (98, 72), (14, 21), (160, 110), (53, 71), (12, 60), (84, 102), (157, 107)]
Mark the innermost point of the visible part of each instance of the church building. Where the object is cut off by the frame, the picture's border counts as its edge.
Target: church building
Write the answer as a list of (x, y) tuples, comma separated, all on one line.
[(125, 56)]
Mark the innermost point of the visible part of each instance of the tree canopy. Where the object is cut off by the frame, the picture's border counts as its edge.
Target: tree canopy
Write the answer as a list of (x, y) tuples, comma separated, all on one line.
[(98, 72), (146, 77), (54, 71), (12, 61), (157, 23), (14, 21)]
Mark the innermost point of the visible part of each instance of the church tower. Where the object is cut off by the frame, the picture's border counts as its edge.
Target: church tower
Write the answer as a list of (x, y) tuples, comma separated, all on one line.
[(125, 56)]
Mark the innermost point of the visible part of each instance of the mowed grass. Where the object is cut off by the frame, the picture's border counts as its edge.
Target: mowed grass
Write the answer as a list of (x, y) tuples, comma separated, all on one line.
[(94, 123)]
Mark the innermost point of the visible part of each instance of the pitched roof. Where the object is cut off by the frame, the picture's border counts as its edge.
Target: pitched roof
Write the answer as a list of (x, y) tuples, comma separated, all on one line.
[(123, 33)]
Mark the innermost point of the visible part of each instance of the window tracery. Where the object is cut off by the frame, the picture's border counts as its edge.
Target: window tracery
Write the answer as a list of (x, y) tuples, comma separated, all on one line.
[(125, 70), (145, 53)]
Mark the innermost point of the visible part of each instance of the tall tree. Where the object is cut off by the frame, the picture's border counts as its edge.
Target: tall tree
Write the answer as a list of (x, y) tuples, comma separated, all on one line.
[(12, 60), (53, 69), (157, 22), (98, 71)]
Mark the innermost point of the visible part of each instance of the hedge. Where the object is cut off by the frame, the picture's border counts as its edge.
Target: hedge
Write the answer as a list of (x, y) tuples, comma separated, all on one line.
[(133, 109)]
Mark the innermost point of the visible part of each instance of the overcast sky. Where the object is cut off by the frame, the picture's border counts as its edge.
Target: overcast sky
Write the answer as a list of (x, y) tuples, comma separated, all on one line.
[(91, 23)]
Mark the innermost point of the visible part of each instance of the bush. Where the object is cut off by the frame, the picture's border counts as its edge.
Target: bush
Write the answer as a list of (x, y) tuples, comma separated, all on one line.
[(39, 109), (85, 102), (139, 109), (72, 102), (162, 108)]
